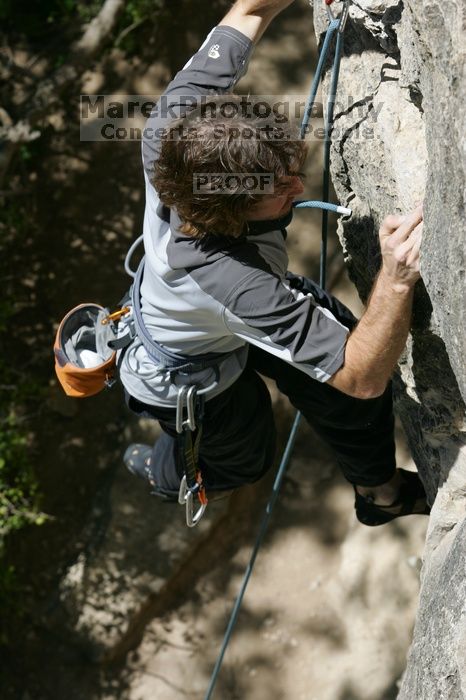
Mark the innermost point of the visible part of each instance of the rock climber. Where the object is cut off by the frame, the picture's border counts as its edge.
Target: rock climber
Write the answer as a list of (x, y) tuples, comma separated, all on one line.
[(216, 283)]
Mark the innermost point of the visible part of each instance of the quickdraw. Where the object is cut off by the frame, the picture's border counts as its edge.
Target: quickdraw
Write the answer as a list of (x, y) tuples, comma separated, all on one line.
[(191, 485)]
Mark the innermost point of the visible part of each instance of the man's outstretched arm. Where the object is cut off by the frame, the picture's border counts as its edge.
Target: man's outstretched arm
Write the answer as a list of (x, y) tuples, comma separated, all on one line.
[(252, 17), (216, 67), (374, 347)]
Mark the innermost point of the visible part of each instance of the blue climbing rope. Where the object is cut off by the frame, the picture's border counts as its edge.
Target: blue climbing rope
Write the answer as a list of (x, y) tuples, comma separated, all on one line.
[(263, 529), (327, 144), (326, 206), (335, 25), (332, 28)]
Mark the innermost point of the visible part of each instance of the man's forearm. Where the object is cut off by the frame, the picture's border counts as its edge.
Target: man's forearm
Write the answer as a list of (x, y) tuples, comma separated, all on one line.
[(252, 17), (378, 340), (373, 348)]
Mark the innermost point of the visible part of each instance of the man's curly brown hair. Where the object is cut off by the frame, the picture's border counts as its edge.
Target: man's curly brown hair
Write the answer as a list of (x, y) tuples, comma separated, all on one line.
[(210, 140)]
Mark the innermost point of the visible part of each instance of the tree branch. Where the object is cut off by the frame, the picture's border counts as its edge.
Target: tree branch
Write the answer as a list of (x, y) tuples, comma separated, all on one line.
[(49, 90), (99, 28)]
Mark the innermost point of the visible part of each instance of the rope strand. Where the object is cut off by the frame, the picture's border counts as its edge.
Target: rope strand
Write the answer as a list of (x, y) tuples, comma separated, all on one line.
[(326, 207), (263, 529)]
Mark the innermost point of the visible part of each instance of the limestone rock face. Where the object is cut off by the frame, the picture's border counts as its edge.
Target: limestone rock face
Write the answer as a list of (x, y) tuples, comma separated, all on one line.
[(399, 138)]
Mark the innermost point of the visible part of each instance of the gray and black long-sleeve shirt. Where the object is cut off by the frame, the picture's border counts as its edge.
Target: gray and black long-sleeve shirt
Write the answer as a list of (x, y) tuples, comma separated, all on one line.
[(220, 297)]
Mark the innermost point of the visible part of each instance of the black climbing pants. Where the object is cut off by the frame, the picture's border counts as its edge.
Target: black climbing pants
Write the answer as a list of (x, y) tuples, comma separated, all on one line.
[(238, 438)]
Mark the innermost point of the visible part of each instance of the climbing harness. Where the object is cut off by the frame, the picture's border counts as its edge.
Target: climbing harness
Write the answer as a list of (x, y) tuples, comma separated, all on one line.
[(335, 25), (190, 398)]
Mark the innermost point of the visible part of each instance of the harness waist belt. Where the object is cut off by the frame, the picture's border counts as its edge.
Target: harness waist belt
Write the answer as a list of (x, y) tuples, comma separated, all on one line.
[(159, 354)]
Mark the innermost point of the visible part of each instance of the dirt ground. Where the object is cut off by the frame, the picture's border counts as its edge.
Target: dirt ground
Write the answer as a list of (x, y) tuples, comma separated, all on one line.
[(330, 608)]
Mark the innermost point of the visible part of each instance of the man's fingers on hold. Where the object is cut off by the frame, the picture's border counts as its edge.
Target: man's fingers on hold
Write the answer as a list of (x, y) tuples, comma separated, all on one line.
[(416, 249), (415, 235), (401, 226), (408, 251), (412, 261), (391, 223), (413, 254), (408, 226), (403, 250)]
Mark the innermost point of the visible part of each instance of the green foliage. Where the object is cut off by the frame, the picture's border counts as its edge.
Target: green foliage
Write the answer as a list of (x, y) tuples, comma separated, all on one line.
[(47, 20), (17, 484), (6, 310), (86, 11), (43, 16), (19, 497), (25, 152), (136, 14), (34, 20), (8, 598), (137, 10)]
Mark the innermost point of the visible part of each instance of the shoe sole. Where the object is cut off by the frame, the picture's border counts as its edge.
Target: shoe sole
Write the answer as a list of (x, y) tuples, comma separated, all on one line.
[(378, 516)]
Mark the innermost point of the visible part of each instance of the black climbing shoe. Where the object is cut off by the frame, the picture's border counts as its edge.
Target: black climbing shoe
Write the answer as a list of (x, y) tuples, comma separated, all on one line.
[(411, 500), (137, 460)]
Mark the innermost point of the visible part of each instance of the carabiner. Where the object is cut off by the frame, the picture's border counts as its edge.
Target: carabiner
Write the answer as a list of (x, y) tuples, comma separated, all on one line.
[(186, 497), (344, 16), (182, 391), (191, 406), (344, 13), (188, 393), (116, 315)]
